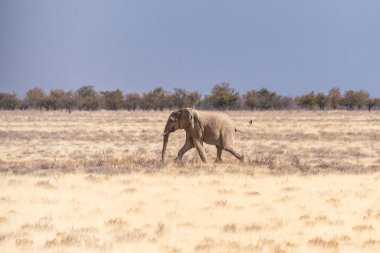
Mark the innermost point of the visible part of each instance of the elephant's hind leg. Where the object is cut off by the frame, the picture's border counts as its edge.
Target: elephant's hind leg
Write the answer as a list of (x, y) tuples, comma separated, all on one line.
[(218, 154), (236, 154), (228, 143)]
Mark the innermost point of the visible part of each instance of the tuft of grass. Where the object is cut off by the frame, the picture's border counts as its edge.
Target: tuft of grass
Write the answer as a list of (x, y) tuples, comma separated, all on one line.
[(205, 245), (134, 235), (3, 220), (67, 240), (225, 191), (302, 166), (44, 224), (230, 228), (45, 184), (252, 193), (23, 242), (323, 243), (116, 222), (2, 237), (252, 227), (361, 228), (371, 243), (129, 190), (221, 203), (160, 229)]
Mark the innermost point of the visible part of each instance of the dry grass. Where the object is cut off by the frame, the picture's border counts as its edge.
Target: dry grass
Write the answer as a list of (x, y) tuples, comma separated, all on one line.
[(93, 182), (109, 142)]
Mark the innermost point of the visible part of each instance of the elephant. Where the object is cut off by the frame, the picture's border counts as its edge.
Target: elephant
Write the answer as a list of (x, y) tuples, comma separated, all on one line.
[(210, 127)]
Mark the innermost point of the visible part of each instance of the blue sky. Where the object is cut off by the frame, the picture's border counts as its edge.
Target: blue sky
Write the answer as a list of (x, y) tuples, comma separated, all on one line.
[(291, 47)]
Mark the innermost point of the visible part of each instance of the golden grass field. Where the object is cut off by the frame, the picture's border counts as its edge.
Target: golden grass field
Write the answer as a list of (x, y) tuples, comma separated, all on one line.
[(93, 182)]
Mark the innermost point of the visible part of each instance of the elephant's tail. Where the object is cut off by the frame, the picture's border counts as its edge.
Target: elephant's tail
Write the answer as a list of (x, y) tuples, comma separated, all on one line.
[(238, 130)]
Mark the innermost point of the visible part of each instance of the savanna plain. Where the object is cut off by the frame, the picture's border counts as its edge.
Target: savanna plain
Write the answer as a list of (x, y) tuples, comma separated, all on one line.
[(94, 182)]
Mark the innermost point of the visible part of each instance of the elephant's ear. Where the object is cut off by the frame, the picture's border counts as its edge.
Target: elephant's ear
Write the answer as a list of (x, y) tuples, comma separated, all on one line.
[(185, 118)]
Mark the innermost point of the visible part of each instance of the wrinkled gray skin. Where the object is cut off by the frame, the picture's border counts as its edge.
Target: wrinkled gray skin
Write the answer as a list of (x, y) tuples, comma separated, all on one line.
[(209, 127)]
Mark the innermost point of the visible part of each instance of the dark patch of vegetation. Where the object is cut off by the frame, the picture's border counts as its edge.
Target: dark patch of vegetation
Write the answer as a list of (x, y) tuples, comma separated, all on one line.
[(222, 97)]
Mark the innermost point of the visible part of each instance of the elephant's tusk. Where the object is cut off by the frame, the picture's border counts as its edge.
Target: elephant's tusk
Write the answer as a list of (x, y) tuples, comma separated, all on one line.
[(166, 133)]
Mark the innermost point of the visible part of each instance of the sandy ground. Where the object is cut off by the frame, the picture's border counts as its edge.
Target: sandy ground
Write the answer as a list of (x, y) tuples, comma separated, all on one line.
[(181, 213)]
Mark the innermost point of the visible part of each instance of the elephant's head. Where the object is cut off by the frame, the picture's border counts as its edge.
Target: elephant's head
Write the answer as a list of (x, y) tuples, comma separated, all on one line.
[(180, 119)]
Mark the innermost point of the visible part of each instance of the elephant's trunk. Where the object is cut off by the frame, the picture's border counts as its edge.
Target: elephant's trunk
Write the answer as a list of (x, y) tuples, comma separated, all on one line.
[(166, 140)]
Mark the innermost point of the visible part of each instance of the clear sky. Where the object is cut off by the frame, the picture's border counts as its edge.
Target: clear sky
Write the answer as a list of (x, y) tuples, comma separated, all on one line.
[(291, 47)]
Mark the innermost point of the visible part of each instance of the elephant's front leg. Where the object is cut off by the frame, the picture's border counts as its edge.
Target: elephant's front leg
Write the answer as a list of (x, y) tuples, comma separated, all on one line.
[(186, 147), (218, 154), (201, 150)]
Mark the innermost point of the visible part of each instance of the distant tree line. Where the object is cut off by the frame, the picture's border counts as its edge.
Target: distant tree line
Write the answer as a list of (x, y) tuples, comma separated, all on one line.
[(222, 97)]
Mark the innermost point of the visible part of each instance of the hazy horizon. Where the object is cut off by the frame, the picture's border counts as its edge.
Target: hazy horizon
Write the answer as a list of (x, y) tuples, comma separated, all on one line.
[(290, 47)]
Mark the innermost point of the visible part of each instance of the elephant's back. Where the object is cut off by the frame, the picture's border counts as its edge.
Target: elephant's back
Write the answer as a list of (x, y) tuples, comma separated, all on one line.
[(216, 119)]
